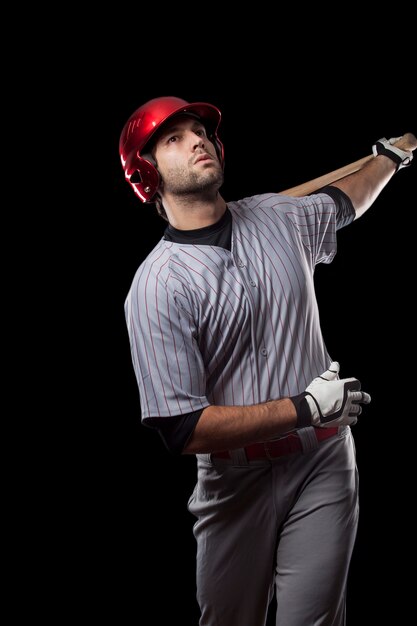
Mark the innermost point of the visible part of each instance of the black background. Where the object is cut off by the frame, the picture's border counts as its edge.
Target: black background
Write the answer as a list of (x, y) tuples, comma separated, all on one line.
[(139, 553)]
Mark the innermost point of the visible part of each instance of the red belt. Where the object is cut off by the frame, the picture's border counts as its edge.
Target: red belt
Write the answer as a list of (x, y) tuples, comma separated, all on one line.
[(281, 447)]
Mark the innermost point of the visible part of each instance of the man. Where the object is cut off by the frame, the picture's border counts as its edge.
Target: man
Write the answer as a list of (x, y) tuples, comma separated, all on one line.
[(231, 366)]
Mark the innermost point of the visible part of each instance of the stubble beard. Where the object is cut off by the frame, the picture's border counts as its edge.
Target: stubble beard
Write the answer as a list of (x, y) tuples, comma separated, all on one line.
[(185, 182)]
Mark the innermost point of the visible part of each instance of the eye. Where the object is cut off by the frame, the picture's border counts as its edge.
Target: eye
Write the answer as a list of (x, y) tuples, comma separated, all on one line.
[(200, 132), (172, 139)]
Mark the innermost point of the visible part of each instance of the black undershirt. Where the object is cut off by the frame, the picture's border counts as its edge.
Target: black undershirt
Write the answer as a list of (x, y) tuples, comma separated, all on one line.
[(176, 430), (218, 234)]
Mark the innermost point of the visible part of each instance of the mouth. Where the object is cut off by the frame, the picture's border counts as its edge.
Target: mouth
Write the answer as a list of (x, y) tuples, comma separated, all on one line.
[(203, 157)]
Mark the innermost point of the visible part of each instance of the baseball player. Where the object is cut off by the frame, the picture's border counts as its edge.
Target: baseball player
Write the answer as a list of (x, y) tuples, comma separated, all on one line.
[(231, 366)]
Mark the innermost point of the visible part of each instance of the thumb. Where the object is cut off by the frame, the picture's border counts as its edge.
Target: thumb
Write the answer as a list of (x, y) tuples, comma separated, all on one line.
[(332, 373)]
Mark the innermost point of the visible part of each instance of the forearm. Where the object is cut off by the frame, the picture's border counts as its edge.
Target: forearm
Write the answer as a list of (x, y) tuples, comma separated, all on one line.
[(230, 427), (364, 186)]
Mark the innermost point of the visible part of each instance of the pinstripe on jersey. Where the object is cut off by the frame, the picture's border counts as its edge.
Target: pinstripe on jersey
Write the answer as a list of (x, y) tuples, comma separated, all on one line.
[(209, 326)]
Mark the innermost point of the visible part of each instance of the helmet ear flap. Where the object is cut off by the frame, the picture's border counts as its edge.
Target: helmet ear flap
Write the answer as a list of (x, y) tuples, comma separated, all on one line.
[(136, 178), (148, 156), (143, 177)]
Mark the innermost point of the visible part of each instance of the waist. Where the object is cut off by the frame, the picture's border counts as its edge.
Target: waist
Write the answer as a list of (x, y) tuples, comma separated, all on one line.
[(290, 444)]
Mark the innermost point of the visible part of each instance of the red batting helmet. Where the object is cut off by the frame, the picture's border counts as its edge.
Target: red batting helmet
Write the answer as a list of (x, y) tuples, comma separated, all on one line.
[(139, 168)]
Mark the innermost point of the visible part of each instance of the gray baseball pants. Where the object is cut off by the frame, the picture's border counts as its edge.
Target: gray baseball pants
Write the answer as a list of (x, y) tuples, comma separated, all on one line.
[(287, 525)]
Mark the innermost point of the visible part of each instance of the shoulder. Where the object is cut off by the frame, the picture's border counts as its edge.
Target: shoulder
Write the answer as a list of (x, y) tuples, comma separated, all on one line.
[(273, 209), (167, 261), (278, 211), (262, 202), (153, 267)]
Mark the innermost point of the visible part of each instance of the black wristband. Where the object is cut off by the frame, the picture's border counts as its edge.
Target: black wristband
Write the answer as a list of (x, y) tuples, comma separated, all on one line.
[(303, 410), (381, 149)]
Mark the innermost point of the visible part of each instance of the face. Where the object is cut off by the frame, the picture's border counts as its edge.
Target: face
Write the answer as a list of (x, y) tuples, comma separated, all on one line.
[(186, 159)]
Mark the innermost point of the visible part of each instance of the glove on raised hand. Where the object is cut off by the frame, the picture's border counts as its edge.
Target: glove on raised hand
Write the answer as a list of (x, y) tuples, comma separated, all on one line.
[(329, 401), (402, 158)]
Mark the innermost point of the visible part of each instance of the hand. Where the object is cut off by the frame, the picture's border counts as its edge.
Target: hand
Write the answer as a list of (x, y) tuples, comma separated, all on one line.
[(407, 142), (398, 149), (333, 401), (330, 401)]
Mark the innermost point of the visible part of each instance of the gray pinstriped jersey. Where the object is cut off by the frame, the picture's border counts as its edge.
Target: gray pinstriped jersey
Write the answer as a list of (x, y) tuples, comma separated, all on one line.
[(210, 326)]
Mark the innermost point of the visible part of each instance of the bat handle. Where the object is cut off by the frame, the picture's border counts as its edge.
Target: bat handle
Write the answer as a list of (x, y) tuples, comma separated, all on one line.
[(327, 179)]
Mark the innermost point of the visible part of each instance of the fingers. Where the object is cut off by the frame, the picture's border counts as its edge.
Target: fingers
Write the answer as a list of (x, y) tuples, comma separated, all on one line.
[(360, 397), (366, 398), (357, 398)]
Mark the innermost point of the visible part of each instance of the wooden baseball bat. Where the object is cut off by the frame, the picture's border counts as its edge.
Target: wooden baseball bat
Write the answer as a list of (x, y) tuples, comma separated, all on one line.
[(327, 179)]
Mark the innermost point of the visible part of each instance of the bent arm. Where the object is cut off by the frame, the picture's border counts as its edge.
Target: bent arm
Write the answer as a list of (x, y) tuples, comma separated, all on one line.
[(364, 186), (328, 401), (229, 427)]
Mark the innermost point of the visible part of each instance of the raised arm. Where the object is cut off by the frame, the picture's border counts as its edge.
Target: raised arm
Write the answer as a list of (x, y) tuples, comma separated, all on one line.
[(364, 186)]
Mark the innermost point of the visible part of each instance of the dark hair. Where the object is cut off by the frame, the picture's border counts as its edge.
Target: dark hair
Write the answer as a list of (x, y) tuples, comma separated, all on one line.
[(160, 207)]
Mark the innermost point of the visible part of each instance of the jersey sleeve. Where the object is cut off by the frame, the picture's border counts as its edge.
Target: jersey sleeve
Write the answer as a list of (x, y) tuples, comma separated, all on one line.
[(163, 340), (315, 219), (175, 431), (345, 212)]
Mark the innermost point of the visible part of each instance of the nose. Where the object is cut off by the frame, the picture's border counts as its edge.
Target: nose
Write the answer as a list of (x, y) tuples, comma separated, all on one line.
[(197, 142)]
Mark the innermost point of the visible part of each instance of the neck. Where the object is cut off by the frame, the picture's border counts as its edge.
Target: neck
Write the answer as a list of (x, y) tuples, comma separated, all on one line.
[(190, 213)]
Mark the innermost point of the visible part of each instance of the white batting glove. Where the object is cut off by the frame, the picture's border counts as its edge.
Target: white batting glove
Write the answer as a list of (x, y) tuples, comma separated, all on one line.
[(402, 158), (329, 401)]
